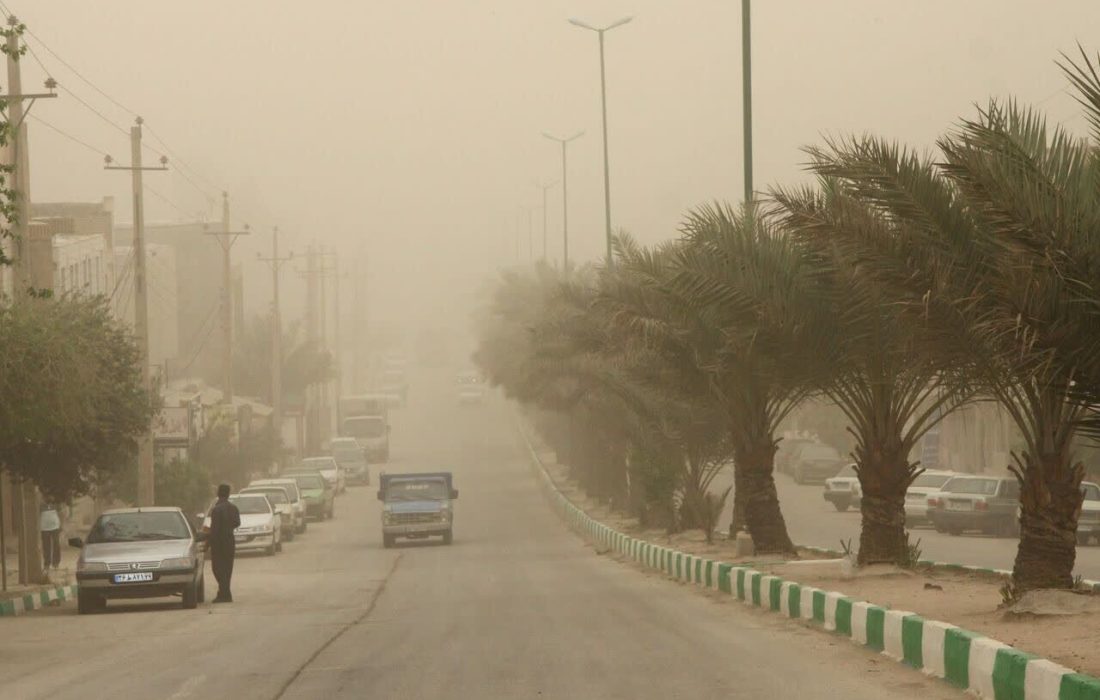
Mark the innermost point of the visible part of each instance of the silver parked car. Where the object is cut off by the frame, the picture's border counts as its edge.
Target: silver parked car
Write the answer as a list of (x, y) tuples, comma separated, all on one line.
[(139, 553)]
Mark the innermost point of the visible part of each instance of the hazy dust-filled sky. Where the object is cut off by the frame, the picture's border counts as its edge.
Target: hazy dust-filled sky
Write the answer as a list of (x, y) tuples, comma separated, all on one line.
[(409, 130)]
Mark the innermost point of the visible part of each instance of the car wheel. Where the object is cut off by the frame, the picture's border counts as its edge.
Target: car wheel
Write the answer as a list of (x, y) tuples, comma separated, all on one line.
[(388, 541), (191, 596), (954, 531), (88, 603), (840, 505), (448, 537)]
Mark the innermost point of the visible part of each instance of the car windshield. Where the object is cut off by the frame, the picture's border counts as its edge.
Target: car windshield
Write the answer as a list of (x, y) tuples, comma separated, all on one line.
[(980, 487), (932, 481), (251, 505), (309, 481), (1091, 491), (423, 490), (275, 495), (137, 527), (818, 452), (365, 427)]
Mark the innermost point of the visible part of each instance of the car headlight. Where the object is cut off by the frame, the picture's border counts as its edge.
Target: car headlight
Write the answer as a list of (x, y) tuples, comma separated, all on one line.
[(265, 528), (90, 566), (177, 563)]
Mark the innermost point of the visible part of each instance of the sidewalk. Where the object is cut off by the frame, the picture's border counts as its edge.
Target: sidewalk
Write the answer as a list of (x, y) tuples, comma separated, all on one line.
[(19, 598)]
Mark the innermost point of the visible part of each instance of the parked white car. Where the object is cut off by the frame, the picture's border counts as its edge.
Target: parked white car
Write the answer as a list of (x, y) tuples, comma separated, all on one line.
[(280, 501), (1088, 524), (916, 498), (843, 490), (329, 468), (260, 528), (297, 503)]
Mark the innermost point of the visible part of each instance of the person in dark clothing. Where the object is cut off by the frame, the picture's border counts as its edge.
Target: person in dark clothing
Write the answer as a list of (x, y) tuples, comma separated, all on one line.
[(224, 519)]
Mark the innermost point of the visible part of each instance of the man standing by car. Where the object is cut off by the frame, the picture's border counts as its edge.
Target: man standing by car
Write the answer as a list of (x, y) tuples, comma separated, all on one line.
[(224, 519), (49, 524)]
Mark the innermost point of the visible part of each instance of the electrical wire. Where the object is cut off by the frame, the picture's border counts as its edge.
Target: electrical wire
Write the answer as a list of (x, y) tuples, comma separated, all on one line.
[(94, 111), (176, 159), (67, 135)]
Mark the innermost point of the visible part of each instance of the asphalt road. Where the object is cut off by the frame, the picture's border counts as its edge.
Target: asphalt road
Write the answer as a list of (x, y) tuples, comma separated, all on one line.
[(517, 607), (811, 520)]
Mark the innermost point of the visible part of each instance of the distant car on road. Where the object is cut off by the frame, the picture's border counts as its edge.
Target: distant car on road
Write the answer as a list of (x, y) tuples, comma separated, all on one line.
[(471, 388), (1088, 524), (329, 468), (815, 462), (786, 451), (990, 504), (280, 501), (916, 496), (350, 454), (320, 500), (139, 553), (260, 528), (297, 502), (843, 490)]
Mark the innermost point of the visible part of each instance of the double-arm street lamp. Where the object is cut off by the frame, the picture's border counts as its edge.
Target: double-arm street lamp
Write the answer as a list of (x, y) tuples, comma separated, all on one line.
[(564, 196), (600, 31)]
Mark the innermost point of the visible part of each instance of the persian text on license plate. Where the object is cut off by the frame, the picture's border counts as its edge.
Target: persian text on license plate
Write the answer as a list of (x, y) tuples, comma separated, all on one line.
[(964, 505), (134, 578)]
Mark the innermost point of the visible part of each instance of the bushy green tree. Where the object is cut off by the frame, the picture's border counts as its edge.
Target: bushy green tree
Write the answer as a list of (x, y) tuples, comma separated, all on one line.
[(72, 402)]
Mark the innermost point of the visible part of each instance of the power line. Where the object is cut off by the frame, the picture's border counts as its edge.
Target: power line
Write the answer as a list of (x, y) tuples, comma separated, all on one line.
[(67, 135), (94, 111), (176, 159)]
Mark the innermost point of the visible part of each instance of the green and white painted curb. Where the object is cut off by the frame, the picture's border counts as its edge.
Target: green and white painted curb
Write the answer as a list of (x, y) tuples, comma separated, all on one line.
[(966, 660), (35, 600)]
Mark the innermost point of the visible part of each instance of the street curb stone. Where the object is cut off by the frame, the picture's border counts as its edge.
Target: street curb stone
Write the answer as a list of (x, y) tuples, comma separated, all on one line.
[(966, 660), (33, 600)]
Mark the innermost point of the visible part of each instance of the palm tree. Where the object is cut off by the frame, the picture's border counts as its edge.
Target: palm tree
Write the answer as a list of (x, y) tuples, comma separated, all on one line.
[(980, 244), (720, 306), (891, 390)]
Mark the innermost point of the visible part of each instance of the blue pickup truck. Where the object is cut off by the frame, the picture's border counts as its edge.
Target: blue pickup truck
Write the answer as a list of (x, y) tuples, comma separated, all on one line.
[(417, 506)]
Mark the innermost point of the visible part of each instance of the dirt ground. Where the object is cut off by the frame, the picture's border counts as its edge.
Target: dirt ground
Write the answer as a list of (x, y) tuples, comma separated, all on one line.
[(968, 600)]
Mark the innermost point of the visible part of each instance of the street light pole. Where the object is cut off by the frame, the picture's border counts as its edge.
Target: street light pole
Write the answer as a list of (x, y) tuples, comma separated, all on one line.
[(544, 186), (564, 196), (746, 91), (600, 31)]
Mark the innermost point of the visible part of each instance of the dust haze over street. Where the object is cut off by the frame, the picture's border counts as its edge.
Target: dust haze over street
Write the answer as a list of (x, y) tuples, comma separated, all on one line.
[(410, 348), (516, 607)]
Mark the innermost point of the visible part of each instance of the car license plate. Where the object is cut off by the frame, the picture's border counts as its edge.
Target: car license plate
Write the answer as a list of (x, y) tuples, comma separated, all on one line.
[(134, 578), (241, 538), (960, 505)]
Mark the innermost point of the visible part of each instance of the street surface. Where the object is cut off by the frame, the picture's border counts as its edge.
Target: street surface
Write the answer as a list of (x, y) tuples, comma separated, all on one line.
[(811, 520), (518, 607)]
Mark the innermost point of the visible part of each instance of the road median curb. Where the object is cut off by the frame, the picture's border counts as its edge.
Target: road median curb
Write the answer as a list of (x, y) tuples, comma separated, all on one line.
[(965, 659), (33, 600)]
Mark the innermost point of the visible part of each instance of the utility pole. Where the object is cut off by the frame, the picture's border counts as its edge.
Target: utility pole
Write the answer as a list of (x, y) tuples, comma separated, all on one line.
[(544, 186), (145, 480), (276, 333), (746, 98), (226, 239), (603, 106), (337, 348), (564, 197), (25, 495)]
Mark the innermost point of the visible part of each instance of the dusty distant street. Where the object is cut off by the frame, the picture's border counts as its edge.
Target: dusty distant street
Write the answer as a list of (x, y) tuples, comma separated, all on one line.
[(518, 607)]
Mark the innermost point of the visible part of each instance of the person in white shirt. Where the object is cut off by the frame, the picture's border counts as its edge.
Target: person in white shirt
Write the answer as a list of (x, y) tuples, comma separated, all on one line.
[(49, 524)]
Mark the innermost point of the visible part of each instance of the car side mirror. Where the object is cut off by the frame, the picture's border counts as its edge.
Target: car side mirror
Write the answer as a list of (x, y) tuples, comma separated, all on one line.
[(76, 542), (454, 494)]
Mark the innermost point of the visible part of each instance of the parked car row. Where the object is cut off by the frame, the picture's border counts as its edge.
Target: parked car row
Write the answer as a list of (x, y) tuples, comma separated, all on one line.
[(955, 503), (153, 552)]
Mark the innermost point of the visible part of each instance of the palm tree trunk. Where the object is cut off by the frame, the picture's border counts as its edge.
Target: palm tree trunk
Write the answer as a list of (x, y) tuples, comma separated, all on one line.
[(884, 476), (1050, 503), (740, 491), (763, 518)]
